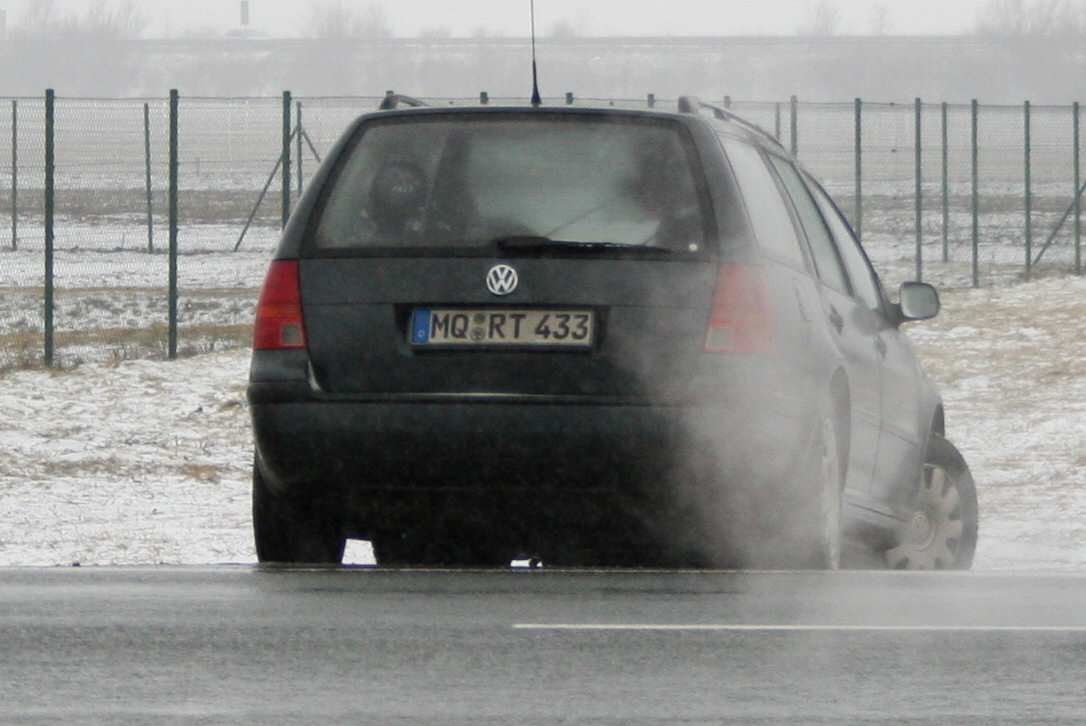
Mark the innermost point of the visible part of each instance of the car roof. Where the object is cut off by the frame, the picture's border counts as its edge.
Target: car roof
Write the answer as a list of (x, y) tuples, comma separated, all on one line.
[(689, 110)]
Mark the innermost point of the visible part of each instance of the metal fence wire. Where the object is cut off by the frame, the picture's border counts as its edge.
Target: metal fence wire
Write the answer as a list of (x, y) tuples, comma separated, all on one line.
[(958, 194)]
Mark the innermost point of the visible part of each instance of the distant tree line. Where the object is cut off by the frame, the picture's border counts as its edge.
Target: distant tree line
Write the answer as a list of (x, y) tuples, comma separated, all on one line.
[(1021, 49), (101, 20), (105, 21), (342, 21), (996, 18), (1032, 17)]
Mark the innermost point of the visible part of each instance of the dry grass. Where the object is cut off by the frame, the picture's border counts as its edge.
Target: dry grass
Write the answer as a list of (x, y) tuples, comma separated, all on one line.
[(1025, 349), (22, 351)]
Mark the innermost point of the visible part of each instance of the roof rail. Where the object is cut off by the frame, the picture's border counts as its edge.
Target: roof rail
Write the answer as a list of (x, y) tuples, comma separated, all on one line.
[(692, 104), (393, 99)]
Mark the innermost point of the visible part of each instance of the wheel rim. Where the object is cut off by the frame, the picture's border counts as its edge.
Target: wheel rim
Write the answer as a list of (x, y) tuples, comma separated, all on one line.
[(932, 533), (830, 496)]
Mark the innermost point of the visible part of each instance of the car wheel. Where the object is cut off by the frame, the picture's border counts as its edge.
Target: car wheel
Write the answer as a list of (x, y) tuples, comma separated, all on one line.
[(291, 532), (805, 519), (940, 528), (827, 551), (819, 543)]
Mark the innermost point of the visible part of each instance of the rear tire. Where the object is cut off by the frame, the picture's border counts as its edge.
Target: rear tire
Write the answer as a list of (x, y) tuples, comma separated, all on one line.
[(819, 546), (290, 530), (807, 531), (939, 531), (830, 491)]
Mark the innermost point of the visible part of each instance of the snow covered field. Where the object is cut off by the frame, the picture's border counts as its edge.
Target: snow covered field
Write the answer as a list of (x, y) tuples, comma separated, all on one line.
[(147, 462)]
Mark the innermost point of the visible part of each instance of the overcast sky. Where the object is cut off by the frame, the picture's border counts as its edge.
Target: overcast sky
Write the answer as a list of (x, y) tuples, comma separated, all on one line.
[(407, 18)]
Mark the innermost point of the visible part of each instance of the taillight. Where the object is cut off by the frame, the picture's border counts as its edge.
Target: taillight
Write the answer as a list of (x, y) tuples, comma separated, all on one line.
[(279, 323), (742, 318)]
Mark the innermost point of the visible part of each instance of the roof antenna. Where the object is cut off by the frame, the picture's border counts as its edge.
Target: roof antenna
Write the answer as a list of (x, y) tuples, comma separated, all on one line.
[(536, 100)]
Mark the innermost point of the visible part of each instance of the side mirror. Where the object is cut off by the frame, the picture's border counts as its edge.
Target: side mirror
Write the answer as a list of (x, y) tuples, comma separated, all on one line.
[(917, 301)]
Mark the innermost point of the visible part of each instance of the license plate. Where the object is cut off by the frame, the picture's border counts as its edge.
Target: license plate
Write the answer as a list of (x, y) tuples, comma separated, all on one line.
[(497, 327)]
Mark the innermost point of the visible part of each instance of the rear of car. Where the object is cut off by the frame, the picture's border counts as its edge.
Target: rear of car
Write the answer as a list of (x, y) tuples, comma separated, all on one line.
[(492, 333)]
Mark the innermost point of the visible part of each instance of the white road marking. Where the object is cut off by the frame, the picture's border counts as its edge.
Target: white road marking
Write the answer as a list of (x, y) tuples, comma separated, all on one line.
[(791, 628)]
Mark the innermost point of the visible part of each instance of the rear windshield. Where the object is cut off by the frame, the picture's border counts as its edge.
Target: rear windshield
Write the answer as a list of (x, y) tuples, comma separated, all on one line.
[(471, 183)]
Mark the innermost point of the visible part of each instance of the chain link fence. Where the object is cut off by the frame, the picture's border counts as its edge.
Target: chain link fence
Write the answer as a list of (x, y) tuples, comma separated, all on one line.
[(956, 194), (150, 243)]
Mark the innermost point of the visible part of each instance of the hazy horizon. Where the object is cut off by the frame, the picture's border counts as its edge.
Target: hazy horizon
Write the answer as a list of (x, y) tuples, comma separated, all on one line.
[(589, 18)]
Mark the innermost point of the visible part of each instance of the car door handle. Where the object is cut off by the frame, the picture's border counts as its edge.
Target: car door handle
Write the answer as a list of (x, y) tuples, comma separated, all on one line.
[(836, 319)]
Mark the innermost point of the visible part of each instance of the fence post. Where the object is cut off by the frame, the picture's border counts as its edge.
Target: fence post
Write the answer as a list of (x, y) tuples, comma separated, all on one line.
[(777, 120), (14, 174), (795, 126), (919, 192), (946, 184), (1078, 194), (286, 157), (147, 176), (50, 170), (1028, 191), (172, 334), (857, 222), (975, 111), (298, 151)]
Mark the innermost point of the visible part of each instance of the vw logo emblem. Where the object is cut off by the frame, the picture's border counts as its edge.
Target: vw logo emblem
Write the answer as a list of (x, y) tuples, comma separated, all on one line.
[(501, 279)]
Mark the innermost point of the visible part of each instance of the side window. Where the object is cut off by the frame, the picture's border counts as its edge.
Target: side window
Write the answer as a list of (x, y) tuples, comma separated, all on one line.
[(859, 268), (827, 258), (769, 215)]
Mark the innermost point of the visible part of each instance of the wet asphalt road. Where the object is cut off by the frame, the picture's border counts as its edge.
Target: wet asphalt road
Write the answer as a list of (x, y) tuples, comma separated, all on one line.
[(243, 645)]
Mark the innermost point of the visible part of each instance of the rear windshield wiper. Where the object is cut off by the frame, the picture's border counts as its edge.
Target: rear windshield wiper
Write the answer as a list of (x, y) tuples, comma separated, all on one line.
[(535, 243)]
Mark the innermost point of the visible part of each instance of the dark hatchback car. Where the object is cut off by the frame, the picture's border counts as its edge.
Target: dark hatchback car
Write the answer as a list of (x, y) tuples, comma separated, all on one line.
[(590, 336)]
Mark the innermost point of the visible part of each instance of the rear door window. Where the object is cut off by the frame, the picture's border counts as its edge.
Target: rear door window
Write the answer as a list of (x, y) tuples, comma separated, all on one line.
[(464, 182), (769, 214), (861, 274), (826, 256)]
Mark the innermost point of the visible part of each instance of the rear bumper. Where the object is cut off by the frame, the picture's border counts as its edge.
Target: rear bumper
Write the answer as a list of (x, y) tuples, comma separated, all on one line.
[(494, 444)]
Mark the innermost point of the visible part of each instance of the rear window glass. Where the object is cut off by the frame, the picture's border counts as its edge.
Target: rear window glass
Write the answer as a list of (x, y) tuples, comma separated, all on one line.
[(467, 182)]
